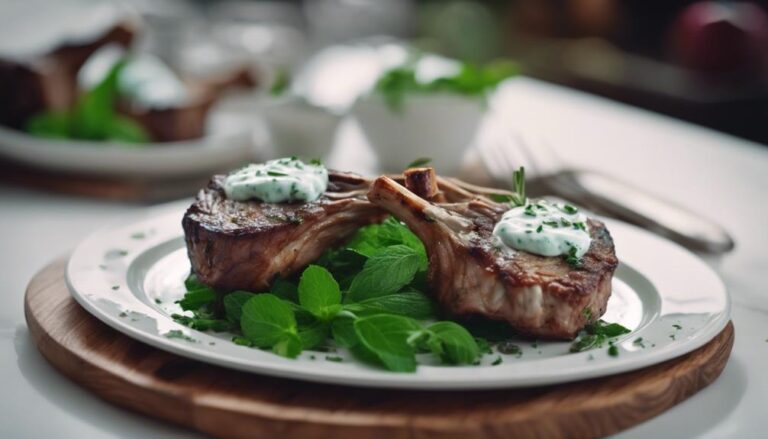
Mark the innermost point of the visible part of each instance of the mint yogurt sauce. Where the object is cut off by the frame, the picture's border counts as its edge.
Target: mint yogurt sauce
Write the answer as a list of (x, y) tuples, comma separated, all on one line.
[(278, 181), (546, 229)]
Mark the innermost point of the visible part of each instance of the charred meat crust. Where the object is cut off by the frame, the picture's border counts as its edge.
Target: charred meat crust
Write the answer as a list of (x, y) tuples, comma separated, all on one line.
[(245, 245), (469, 276)]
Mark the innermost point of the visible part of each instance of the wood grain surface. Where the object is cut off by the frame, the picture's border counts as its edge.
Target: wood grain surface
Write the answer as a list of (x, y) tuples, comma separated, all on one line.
[(227, 403)]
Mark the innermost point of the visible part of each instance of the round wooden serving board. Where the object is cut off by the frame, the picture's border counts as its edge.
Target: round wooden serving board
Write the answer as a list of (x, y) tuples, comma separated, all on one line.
[(228, 403)]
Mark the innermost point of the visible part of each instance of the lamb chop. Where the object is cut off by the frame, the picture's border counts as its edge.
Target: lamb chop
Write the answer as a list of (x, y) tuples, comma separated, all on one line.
[(470, 276), (246, 244)]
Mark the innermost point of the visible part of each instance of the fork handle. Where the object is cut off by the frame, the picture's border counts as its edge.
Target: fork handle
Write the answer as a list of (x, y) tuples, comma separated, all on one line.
[(612, 197)]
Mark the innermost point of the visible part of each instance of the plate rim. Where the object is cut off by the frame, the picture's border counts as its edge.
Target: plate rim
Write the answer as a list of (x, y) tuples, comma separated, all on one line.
[(415, 381)]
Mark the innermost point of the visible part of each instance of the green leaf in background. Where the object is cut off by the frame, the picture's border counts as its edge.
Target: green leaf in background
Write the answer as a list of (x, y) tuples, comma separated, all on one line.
[(319, 292), (386, 337), (233, 305), (268, 321), (95, 109), (406, 303), (93, 117), (452, 343), (281, 83), (122, 129), (197, 296), (53, 124), (471, 80), (386, 272)]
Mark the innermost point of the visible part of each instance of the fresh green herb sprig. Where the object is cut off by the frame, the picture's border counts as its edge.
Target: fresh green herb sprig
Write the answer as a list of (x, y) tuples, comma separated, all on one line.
[(517, 198), (93, 117)]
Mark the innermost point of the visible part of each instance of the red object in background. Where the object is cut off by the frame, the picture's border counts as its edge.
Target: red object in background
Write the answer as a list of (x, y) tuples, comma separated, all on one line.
[(722, 38)]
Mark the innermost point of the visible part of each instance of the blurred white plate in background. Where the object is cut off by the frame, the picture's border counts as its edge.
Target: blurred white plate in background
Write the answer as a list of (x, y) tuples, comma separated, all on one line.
[(231, 141)]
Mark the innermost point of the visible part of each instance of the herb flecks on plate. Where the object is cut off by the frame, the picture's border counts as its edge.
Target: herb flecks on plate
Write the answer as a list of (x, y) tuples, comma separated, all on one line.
[(367, 297)]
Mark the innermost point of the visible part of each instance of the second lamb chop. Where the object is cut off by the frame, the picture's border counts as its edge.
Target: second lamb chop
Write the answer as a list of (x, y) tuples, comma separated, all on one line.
[(472, 273)]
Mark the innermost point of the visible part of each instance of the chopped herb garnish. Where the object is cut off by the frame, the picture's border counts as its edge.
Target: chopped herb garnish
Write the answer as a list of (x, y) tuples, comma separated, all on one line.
[(539, 229), (508, 348), (595, 335), (551, 223), (178, 334), (639, 342), (115, 287), (276, 174), (572, 259), (678, 327), (334, 358), (567, 208), (613, 351), (497, 361), (138, 235), (529, 210)]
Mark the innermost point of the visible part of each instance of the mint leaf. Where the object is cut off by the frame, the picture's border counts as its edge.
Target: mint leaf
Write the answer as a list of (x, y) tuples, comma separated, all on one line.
[(285, 289), (452, 343), (268, 321), (407, 303), (233, 305), (343, 331), (370, 239), (386, 337), (343, 263), (386, 271), (288, 346), (319, 292), (197, 296), (314, 334)]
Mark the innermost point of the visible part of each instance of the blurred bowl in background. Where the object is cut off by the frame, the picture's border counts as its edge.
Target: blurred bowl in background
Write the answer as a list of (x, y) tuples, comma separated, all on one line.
[(436, 126), (298, 128)]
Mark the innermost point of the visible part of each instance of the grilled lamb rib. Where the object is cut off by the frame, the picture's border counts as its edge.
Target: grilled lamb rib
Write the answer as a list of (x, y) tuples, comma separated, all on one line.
[(246, 244), (539, 296)]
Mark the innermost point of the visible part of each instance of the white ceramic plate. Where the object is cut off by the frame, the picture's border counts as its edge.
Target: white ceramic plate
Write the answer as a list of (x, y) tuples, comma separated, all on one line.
[(230, 141), (129, 277)]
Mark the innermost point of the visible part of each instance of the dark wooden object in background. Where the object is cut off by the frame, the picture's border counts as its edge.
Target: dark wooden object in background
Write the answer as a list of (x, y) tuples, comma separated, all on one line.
[(227, 403), (104, 187)]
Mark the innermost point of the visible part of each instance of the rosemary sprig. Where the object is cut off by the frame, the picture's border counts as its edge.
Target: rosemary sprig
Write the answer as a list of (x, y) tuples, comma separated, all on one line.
[(517, 198)]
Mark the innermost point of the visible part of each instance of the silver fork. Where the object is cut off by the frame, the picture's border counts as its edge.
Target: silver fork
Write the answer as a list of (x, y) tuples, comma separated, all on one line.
[(502, 154)]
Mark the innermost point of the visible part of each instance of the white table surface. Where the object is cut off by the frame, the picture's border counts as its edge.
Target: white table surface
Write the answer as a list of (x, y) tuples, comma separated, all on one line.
[(720, 176)]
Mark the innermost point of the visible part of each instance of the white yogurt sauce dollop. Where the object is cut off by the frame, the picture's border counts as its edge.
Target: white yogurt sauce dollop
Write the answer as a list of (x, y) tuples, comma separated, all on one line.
[(278, 181), (546, 229)]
